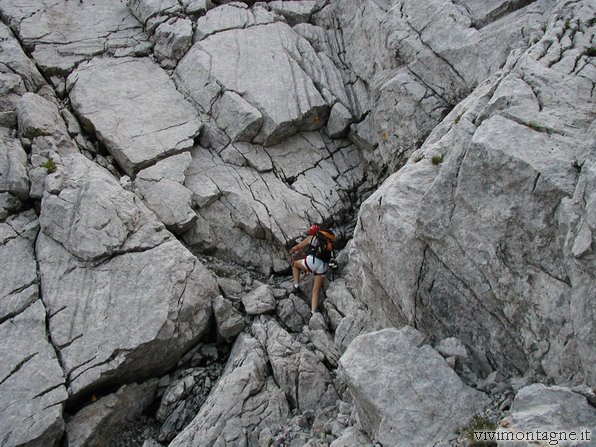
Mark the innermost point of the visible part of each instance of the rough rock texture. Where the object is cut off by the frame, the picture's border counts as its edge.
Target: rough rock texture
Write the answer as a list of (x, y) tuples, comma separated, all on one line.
[(122, 101), (63, 33), (31, 381), (14, 180), (287, 97), (18, 276), (100, 423), (271, 194), (162, 189), (243, 402), (406, 394), (239, 120), (419, 63), (538, 407), (260, 300), (503, 264), (229, 320), (38, 116), (99, 249)]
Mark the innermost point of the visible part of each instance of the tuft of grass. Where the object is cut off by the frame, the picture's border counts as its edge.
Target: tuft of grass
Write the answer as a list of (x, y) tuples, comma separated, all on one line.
[(417, 158), (458, 117), (478, 423), (437, 159), (590, 52), (49, 165)]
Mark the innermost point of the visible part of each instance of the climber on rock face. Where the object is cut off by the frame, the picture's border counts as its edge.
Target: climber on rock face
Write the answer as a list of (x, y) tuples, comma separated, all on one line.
[(319, 253)]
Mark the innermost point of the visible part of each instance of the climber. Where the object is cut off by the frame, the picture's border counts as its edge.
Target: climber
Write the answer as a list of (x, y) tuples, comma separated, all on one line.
[(320, 252)]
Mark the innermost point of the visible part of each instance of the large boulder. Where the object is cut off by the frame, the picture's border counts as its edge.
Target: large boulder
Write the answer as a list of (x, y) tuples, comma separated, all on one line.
[(124, 101), (405, 392), (31, 381), (125, 298), (548, 409), (64, 33), (286, 97), (489, 227), (243, 402), (101, 423)]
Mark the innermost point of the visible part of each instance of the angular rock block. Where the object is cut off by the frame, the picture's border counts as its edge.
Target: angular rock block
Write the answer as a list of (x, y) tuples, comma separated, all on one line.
[(134, 109), (406, 394)]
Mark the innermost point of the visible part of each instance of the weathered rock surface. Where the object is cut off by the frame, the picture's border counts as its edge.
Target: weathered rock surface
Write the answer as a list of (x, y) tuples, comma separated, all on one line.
[(229, 320), (13, 168), (406, 394), (294, 12), (38, 116), (162, 189), (259, 301), (538, 407), (123, 102), (99, 250), (287, 97), (236, 117), (64, 33), (297, 371), (173, 39), (100, 423), (31, 381), (243, 402), (271, 194), (491, 261), (18, 276)]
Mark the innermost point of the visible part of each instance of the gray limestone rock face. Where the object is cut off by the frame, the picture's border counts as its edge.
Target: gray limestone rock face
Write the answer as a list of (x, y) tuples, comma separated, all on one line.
[(295, 12), (260, 300), (339, 122), (64, 33), (18, 276), (293, 312), (161, 188), (229, 321), (482, 221), (31, 381), (406, 395), (173, 39), (134, 109), (554, 408), (13, 168), (304, 379), (38, 116), (100, 423), (286, 97), (452, 347), (236, 117), (99, 250), (242, 403), (15, 61), (144, 10), (235, 15)]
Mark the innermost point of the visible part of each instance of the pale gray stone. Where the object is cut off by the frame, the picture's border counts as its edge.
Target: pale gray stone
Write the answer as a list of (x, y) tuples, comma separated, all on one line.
[(401, 388), (239, 120), (294, 12), (229, 321), (31, 381), (125, 102), (146, 9), (304, 379), (101, 423), (16, 63), (538, 407), (260, 300), (452, 347), (350, 437), (287, 97), (161, 187), (38, 116), (293, 313), (133, 331), (173, 39), (18, 276), (339, 122), (231, 16), (13, 168), (64, 33), (242, 403)]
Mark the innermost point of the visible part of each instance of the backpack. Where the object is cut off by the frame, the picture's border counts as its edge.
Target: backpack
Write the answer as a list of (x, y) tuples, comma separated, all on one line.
[(321, 246)]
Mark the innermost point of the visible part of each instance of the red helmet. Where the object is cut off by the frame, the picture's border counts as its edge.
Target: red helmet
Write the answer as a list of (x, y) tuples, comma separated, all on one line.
[(313, 229)]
